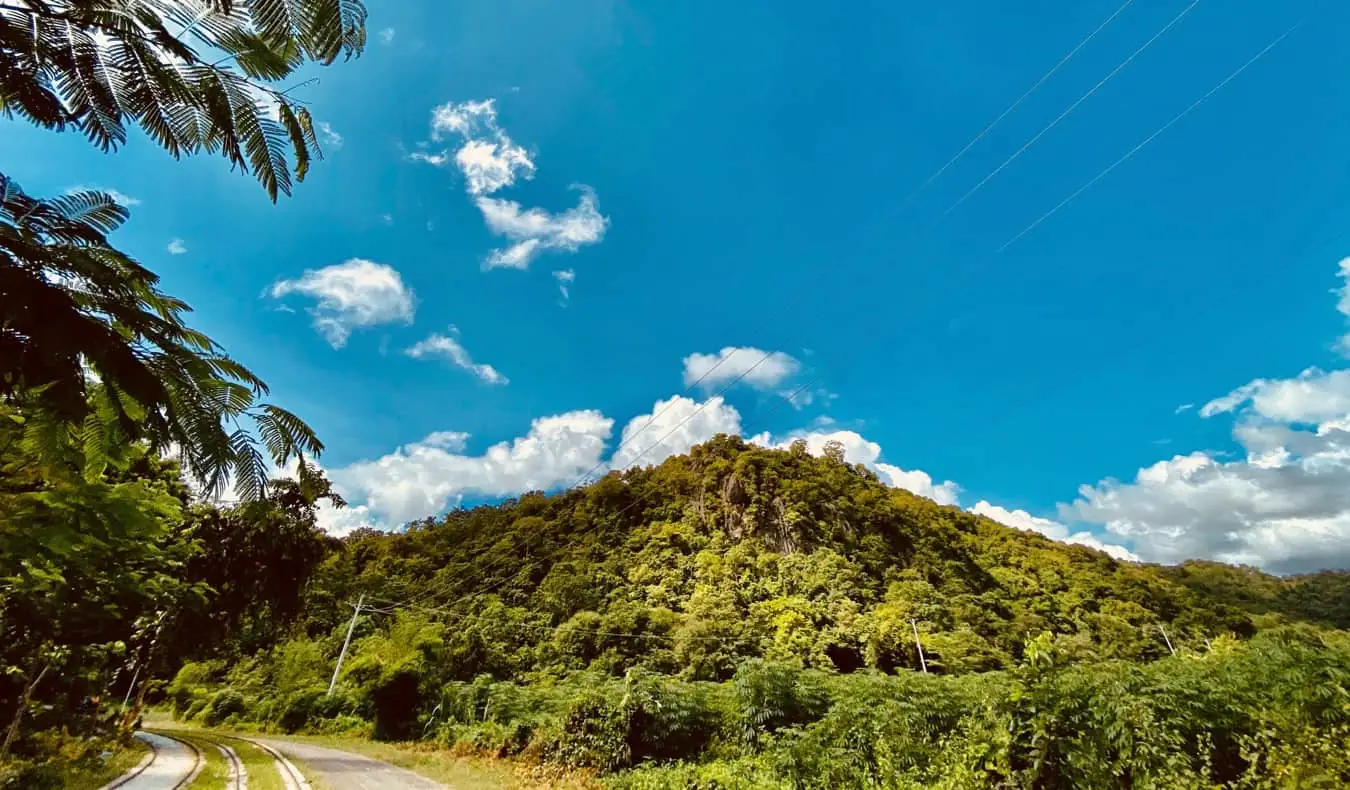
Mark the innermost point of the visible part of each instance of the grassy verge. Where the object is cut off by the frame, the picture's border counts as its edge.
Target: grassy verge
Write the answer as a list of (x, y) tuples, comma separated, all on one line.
[(263, 772), (87, 774), (215, 770)]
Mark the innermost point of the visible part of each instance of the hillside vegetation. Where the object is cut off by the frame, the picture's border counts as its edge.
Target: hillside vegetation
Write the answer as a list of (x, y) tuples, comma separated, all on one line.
[(748, 617)]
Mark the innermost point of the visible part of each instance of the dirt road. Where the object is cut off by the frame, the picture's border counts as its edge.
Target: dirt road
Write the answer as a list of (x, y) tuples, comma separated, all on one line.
[(347, 771)]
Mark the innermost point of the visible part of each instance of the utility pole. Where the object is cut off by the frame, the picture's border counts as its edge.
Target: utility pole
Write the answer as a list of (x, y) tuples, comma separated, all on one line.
[(1165, 639), (923, 664), (350, 627)]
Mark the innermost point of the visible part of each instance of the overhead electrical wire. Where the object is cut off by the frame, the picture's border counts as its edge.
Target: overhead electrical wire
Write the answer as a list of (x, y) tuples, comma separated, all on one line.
[(766, 356), (1008, 111), (656, 414), (1128, 154), (1029, 143)]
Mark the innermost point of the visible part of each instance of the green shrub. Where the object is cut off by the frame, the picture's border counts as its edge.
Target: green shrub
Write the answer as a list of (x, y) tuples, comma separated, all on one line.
[(770, 696), (29, 775), (225, 703)]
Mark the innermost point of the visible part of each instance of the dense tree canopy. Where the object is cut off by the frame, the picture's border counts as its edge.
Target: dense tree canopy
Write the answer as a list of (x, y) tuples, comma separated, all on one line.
[(755, 612)]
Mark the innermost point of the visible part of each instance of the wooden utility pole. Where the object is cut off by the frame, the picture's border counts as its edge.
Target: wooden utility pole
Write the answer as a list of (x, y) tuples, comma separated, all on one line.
[(332, 684), (27, 695), (923, 664)]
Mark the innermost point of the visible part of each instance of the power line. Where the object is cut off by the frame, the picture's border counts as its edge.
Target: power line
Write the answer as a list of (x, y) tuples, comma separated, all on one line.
[(722, 359), (1177, 118), (767, 355), (1044, 78), (1126, 62)]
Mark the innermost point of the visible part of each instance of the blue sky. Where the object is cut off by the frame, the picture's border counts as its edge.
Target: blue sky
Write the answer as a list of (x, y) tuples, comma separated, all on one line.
[(711, 176)]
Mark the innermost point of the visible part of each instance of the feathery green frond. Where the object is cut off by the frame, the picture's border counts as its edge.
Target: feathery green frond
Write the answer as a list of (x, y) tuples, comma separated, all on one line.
[(98, 356), (100, 65)]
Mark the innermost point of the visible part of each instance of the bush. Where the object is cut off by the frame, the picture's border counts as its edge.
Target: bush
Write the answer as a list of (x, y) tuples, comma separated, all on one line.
[(770, 696), (225, 703), (28, 775), (646, 717)]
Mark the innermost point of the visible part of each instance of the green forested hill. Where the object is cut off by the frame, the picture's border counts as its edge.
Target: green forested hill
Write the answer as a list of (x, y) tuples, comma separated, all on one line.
[(742, 617), (734, 551)]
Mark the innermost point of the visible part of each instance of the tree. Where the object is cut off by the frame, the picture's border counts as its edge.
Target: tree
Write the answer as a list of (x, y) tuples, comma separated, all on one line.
[(95, 65), (91, 350)]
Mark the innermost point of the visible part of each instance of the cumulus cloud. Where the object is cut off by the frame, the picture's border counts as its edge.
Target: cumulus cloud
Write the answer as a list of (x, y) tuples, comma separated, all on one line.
[(444, 347), (491, 161), (1313, 396), (1284, 505), (535, 230), (489, 165), (487, 157), (176, 247), (355, 294), (423, 478), (330, 135), (858, 450), (1020, 519), (673, 426), (747, 365)]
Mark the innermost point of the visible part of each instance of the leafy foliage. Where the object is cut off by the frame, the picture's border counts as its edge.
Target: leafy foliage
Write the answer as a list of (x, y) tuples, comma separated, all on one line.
[(741, 617), (94, 353), (98, 65)]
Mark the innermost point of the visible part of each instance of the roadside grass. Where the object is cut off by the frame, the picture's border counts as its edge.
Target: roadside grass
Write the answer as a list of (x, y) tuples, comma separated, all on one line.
[(216, 769), (263, 771), (87, 775)]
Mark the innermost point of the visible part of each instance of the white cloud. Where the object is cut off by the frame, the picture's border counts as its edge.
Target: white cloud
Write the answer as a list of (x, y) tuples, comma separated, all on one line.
[(1020, 519), (330, 135), (387, 35), (437, 346), (487, 156), (858, 450), (1313, 396), (1183, 408), (753, 367), (176, 247), (465, 119), (1284, 505), (565, 279), (437, 159), (121, 198), (921, 483), (422, 478), (489, 165), (673, 426), (536, 230), (491, 161), (1343, 303), (355, 294)]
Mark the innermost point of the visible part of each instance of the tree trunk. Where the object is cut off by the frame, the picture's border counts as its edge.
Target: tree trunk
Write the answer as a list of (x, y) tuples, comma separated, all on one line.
[(13, 731)]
